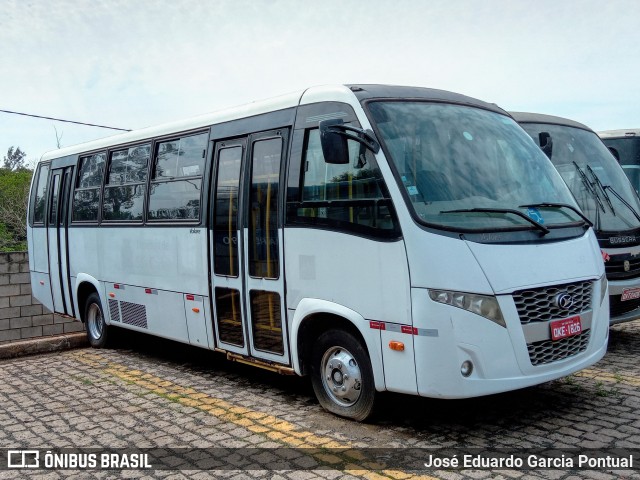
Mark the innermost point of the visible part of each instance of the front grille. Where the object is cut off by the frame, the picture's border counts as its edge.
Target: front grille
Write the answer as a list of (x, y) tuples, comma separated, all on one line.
[(548, 351), (615, 268), (617, 307), (538, 304)]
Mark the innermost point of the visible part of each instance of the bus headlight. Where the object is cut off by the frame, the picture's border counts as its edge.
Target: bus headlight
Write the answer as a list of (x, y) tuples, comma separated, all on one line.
[(482, 305), (603, 287)]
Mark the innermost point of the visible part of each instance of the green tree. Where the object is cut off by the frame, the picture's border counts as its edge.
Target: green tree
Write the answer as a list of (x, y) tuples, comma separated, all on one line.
[(14, 197), (14, 159)]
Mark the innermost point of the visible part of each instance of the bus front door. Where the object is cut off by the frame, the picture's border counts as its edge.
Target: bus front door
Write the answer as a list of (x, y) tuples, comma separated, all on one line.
[(248, 272), (57, 240)]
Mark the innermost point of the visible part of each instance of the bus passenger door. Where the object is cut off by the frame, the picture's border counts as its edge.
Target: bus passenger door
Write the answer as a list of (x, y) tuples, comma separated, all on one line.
[(262, 246), (247, 269), (227, 278), (57, 223)]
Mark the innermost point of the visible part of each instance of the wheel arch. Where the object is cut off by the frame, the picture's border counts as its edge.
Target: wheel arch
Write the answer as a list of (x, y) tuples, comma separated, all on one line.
[(314, 316), (85, 286)]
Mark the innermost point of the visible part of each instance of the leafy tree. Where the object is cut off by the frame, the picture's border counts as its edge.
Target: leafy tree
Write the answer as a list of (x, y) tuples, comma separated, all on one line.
[(14, 197), (14, 159)]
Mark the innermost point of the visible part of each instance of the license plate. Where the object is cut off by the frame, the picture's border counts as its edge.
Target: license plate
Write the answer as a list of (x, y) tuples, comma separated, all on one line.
[(630, 294), (566, 328)]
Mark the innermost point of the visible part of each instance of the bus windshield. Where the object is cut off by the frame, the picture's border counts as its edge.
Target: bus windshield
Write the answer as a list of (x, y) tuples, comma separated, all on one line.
[(628, 149), (593, 175), (469, 169)]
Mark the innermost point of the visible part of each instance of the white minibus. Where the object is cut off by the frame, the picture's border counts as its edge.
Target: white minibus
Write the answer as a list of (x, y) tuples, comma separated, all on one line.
[(372, 237), (604, 195)]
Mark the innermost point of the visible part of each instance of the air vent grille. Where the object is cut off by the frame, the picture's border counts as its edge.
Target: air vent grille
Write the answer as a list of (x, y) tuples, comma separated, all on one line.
[(134, 314)]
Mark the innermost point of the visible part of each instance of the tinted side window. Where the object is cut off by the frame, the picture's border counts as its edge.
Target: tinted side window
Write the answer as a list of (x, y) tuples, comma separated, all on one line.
[(126, 181), (177, 200), (86, 198), (183, 157), (263, 205), (226, 211), (41, 195), (350, 197), (176, 186), (91, 170)]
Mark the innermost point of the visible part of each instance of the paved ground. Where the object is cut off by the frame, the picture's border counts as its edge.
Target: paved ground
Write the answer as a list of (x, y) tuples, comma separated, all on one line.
[(149, 393)]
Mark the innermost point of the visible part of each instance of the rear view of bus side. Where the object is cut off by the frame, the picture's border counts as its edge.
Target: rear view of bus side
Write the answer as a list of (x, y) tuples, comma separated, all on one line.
[(604, 195), (372, 237)]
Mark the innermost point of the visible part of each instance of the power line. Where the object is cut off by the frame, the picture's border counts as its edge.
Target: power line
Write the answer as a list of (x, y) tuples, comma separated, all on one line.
[(66, 121)]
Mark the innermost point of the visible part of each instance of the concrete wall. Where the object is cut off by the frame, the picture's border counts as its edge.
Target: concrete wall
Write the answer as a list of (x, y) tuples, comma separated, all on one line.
[(22, 316)]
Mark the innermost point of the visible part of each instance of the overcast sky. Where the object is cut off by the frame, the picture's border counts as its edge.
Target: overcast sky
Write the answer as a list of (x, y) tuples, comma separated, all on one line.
[(132, 64)]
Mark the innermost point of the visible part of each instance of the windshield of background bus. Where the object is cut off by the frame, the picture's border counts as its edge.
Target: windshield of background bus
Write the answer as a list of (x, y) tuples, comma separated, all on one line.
[(586, 150), (455, 157), (629, 151)]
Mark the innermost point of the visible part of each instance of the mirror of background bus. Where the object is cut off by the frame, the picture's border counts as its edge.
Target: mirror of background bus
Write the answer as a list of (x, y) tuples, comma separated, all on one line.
[(334, 145), (546, 143), (615, 153)]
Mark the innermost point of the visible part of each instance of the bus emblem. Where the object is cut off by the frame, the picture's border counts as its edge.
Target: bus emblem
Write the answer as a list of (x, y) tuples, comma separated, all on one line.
[(627, 265), (564, 300)]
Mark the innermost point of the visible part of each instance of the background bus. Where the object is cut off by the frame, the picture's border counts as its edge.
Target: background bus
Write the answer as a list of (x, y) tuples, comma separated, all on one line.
[(373, 237), (625, 146), (604, 195)]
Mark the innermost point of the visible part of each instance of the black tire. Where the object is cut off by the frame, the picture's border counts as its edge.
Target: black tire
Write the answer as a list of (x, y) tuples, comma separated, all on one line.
[(342, 376), (97, 329)]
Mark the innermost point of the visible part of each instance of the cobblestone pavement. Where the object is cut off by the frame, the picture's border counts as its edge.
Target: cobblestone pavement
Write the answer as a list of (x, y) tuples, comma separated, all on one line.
[(148, 393)]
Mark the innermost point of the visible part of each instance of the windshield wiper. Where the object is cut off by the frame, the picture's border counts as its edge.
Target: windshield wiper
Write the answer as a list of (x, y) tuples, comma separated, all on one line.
[(594, 193), (559, 205), (599, 184), (617, 195), (590, 187), (538, 225), (622, 200)]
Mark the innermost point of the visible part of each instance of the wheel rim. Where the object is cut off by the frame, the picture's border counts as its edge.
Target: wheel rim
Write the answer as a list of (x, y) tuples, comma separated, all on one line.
[(341, 376), (95, 324)]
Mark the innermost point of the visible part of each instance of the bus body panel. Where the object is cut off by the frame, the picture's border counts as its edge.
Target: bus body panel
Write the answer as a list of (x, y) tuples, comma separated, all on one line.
[(198, 320), (39, 266), (166, 258), (544, 264), (338, 268), (151, 310), (496, 352), (436, 261), (499, 354), (308, 307)]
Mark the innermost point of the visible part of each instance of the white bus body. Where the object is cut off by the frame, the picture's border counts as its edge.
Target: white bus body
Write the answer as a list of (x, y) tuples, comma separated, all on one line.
[(234, 232), (605, 196)]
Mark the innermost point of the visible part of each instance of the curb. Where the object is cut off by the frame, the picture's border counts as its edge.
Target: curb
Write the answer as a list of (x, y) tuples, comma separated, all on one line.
[(43, 345)]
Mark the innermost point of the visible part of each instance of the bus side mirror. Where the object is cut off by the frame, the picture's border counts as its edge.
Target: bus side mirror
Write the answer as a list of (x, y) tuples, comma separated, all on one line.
[(546, 143), (334, 143), (615, 153)]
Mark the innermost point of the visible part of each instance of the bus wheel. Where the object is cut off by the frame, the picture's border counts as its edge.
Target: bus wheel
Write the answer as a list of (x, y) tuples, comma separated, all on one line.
[(342, 377), (94, 322)]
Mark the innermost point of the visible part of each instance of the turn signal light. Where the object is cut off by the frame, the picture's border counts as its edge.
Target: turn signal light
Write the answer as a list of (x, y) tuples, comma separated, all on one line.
[(112, 295), (196, 310), (397, 346)]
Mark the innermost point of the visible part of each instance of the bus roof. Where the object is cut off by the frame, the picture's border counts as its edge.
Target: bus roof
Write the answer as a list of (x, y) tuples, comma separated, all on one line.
[(343, 93), (527, 117), (623, 133)]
